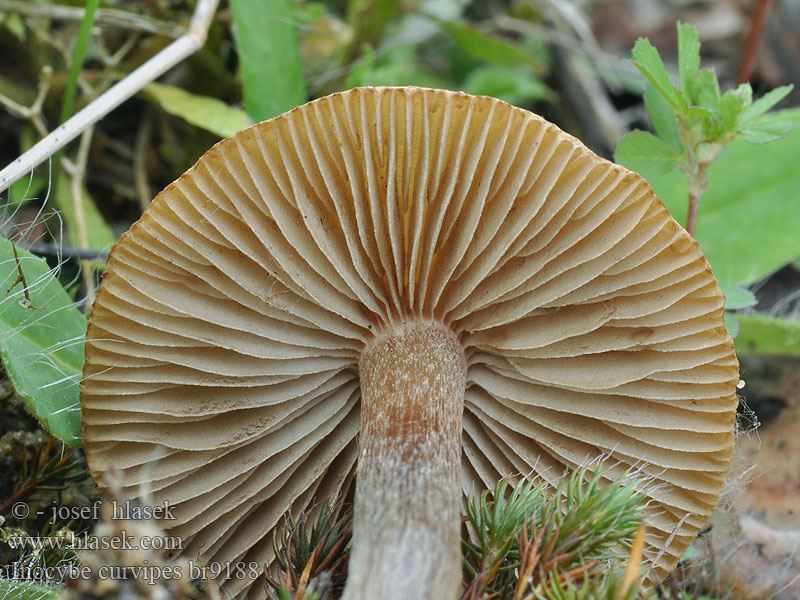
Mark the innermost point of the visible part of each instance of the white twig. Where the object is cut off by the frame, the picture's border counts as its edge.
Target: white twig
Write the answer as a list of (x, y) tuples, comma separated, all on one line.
[(184, 46)]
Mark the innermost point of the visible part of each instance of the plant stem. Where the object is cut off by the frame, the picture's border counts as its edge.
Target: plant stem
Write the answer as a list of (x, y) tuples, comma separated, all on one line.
[(697, 184), (753, 39), (406, 532)]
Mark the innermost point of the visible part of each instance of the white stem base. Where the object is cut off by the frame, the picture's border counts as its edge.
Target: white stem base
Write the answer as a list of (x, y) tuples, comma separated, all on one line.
[(407, 523)]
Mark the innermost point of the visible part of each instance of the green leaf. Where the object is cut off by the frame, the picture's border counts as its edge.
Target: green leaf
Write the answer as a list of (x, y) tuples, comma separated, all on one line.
[(762, 132), (205, 112), (663, 118), (100, 236), (266, 39), (491, 49), (761, 334), (765, 103), (648, 61), (25, 189), (514, 85), (704, 89), (644, 153), (398, 66), (733, 103), (737, 297), (26, 590), (41, 343), (368, 19), (731, 323), (688, 57), (748, 219)]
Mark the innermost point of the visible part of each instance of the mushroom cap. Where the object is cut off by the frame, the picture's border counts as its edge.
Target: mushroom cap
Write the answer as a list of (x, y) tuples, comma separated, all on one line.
[(222, 355)]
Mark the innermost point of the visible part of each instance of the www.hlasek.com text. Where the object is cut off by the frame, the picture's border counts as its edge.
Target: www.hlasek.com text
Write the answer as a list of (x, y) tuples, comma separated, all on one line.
[(119, 541)]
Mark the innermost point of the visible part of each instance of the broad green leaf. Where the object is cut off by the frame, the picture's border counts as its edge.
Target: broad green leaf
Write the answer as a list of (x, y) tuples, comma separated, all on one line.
[(272, 75), (762, 132), (41, 342), (737, 297), (644, 153), (765, 103), (205, 112), (648, 61), (514, 85), (688, 57), (26, 590), (99, 234), (749, 216), (761, 334), (663, 118), (489, 48)]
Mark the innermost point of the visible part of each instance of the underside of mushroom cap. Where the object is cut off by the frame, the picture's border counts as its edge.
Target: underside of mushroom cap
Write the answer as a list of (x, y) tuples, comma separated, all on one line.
[(222, 353)]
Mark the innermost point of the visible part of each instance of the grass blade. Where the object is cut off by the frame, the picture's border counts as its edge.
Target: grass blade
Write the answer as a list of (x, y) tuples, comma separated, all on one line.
[(78, 58)]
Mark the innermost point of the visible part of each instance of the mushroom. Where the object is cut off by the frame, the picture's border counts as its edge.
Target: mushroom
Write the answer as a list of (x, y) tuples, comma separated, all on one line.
[(426, 290)]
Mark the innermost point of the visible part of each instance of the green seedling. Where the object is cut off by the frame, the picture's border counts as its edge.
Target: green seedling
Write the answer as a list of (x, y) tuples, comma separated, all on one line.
[(693, 122)]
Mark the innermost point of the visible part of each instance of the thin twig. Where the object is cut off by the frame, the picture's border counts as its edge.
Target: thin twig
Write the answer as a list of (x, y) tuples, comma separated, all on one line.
[(21, 279), (173, 54), (141, 147), (106, 17), (33, 112), (76, 172)]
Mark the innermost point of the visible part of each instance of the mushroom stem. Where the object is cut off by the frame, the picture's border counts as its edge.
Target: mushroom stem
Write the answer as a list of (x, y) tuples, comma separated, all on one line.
[(407, 526)]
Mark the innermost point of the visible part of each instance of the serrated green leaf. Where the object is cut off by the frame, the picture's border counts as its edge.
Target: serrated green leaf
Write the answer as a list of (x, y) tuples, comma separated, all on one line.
[(648, 61), (765, 103), (514, 85), (733, 104), (266, 40), (688, 57), (762, 132), (41, 344), (205, 112), (761, 334), (737, 297), (644, 153), (749, 218), (705, 89), (663, 118), (701, 112)]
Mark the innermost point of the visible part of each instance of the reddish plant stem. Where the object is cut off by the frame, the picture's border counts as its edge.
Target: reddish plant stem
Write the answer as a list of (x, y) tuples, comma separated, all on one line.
[(697, 185), (753, 39)]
